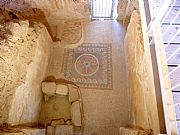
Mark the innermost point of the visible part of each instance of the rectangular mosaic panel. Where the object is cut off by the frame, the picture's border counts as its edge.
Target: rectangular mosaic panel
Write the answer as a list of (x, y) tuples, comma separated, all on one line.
[(89, 66)]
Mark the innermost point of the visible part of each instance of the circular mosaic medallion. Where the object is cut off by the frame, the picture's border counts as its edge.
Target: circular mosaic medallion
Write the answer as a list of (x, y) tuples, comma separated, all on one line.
[(86, 64)]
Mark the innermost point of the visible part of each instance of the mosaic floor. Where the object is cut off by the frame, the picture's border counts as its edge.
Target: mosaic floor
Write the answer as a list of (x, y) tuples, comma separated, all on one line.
[(89, 66)]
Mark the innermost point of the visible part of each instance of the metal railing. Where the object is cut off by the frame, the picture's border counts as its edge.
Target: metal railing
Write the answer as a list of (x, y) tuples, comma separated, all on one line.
[(102, 9), (166, 15)]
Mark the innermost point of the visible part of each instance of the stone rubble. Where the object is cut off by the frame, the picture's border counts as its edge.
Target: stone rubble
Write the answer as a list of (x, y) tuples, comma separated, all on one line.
[(133, 131), (21, 52), (50, 130), (49, 88), (64, 130), (62, 90), (34, 131), (76, 113), (73, 94)]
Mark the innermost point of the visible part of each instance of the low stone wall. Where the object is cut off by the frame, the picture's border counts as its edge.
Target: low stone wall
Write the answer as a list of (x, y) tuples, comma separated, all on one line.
[(143, 106), (125, 9), (24, 57)]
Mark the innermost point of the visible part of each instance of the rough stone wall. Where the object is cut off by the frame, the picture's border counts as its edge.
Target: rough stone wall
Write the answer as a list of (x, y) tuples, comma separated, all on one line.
[(24, 56), (54, 10), (125, 9), (143, 106)]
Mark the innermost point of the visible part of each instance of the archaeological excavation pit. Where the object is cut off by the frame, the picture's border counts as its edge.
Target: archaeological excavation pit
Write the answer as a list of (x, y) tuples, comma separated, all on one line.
[(89, 67)]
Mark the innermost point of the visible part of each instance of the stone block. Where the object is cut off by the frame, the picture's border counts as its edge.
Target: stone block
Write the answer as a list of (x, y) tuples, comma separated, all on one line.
[(64, 130), (50, 130), (58, 122), (76, 113), (62, 90), (73, 94), (16, 31), (127, 131), (49, 88), (131, 131), (77, 130), (24, 27), (33, 131)]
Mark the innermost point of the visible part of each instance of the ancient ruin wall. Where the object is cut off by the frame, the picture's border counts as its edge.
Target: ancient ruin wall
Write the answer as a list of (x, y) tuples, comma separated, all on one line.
[(24, 55), (143, 107), (125, 9), (54, 11)]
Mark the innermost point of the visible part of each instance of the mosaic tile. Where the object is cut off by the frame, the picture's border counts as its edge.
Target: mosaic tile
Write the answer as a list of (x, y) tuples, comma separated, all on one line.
[(89, 65)]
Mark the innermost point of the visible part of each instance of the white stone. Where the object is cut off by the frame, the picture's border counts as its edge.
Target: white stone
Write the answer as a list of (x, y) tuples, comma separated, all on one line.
[(49, 88), (76, 113), (28, 70), (34, 131), (64, 130), (62, 90), (73, 94), (16, 31), (50, 130), (24, 27), (30, 30)]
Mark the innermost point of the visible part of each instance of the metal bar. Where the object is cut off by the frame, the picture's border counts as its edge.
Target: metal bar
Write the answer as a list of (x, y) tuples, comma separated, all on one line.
[(175, 91), (178, 67), (170, 24), (169, 11), (152, 41), (174, 43), (159, 14), (171, 39), (105, 7), (164, 98), (102, 9), (174, 87), (172, 65), (112, 8), (174, 53)]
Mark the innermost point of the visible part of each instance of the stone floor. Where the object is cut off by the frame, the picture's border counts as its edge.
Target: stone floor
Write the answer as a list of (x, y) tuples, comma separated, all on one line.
[(105, 111)]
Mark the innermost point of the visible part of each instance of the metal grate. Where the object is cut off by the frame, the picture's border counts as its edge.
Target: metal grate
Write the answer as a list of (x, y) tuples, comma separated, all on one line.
[(102, 9)]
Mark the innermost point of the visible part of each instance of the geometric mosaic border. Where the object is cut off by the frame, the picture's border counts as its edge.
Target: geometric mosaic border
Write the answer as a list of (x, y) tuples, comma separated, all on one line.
[(89, 66)]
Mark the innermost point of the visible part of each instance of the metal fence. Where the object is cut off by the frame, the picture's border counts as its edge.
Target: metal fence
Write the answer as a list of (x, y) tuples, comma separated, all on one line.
[(102, 9), (164, 32)]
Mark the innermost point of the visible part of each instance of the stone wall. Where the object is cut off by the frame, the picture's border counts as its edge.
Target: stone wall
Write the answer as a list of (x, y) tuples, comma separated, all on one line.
[(54, 10), (125, 9), (24, 55), (143, 105)]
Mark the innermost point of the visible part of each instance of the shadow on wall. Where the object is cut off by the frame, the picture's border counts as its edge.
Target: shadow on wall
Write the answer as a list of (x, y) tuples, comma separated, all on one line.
[(12, 10)]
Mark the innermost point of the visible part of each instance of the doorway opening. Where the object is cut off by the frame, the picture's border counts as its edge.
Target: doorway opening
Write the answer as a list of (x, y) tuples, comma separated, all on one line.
[(104, 9)]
